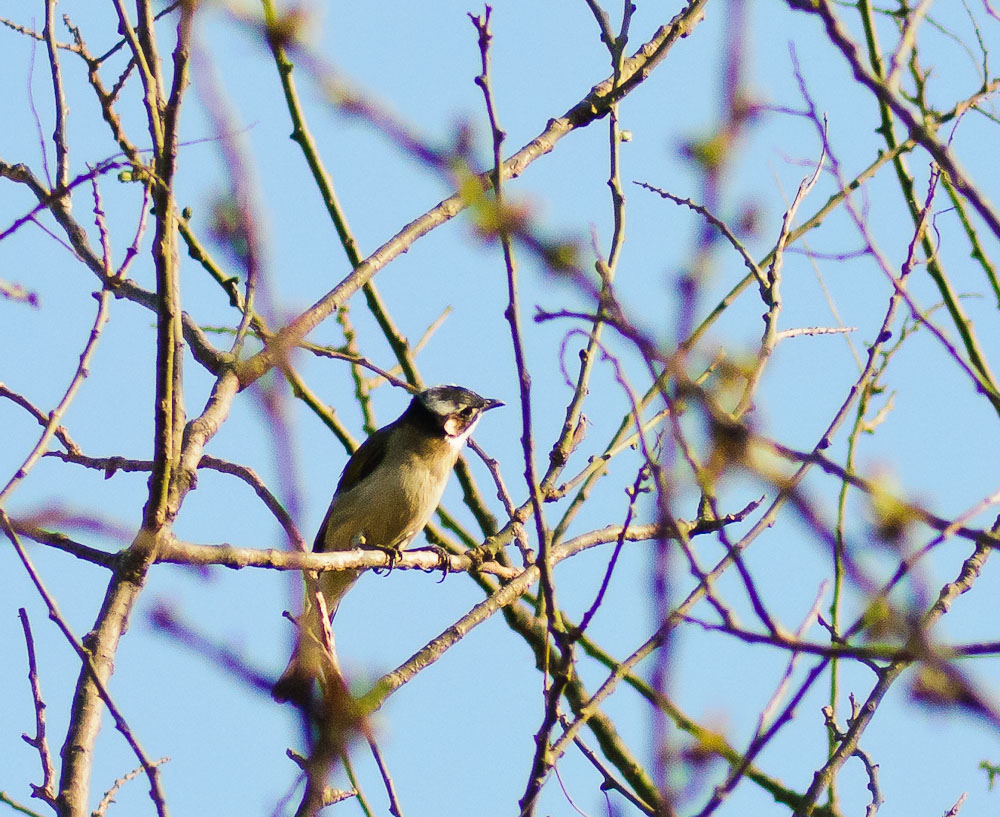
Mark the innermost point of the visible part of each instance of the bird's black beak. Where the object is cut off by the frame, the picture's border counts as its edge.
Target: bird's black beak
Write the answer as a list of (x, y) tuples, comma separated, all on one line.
[(492, 404)]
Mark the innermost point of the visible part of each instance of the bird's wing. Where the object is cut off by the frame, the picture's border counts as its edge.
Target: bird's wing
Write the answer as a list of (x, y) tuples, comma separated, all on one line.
[(365, 460), (361, 464)]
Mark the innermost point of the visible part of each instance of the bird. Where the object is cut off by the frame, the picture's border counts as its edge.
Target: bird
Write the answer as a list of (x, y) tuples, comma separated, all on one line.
[(386, 494)]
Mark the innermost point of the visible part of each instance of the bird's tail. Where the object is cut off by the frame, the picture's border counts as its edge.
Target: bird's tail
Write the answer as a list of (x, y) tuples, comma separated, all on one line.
[(314, 657)]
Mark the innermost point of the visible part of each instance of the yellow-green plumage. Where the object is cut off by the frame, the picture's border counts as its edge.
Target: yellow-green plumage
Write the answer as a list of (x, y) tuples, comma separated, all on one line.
[(391, 512), (389, 489)]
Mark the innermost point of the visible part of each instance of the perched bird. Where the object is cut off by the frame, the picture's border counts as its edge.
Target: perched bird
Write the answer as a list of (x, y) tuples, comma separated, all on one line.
[(389, 489)]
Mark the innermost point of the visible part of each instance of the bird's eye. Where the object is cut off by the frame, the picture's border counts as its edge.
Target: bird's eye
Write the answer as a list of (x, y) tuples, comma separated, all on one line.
[(468, 411)]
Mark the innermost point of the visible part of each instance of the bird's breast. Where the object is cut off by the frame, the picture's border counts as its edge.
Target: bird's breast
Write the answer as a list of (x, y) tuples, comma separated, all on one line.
[(391, 505)]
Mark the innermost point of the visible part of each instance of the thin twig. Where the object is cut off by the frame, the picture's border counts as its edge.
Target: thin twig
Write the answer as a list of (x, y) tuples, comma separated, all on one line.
[(109, 795), (156, 792), (46, 791), (82, 370), (394, 807)]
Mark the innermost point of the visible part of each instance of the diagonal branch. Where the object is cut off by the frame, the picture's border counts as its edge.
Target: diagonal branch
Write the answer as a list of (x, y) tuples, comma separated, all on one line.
[(592, 107)]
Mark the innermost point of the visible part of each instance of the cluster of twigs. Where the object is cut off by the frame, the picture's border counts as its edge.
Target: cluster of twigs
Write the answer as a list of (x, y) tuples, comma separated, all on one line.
[(682, 381)]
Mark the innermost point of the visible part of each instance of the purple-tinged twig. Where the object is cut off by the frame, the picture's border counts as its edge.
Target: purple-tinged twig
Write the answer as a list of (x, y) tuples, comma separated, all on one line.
[(14, 291), (493, 466), (761, 740), (716, 222), (34, 35), (512, 314), (46, 791), (574, 424), (133, 249), (611, 783), (59, 541), (978, 371), (202, 350), (357, 360), (82, 370), (102, 230), (594, 105), (762, 735), (770, 289), (109, 795), (49, 199), (59, 431), (163, 618), (560, 671), (394, 807), (968, 574), (917, 130), (953, 811), (517, 587), (34, 114), (109, 465), (632, 493), (156, 792), (59, 134)]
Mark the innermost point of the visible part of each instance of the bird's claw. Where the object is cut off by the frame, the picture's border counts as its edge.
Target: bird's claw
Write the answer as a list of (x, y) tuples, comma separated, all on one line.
[(444, 560), (391, 553)]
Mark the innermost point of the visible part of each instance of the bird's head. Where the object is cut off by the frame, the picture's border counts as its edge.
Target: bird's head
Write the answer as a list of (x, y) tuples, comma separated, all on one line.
[(452, 410)]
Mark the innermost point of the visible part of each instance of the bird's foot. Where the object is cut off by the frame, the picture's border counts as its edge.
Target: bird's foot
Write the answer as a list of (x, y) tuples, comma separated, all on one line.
[(392, 553), (444, 560)]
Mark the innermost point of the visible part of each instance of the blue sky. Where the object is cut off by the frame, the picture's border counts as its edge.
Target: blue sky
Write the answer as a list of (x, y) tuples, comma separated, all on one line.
[(458, 738)]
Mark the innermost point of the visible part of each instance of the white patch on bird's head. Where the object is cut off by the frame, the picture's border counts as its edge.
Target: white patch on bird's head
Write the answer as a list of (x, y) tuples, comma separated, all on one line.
[(458, 429), (455, 410)]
